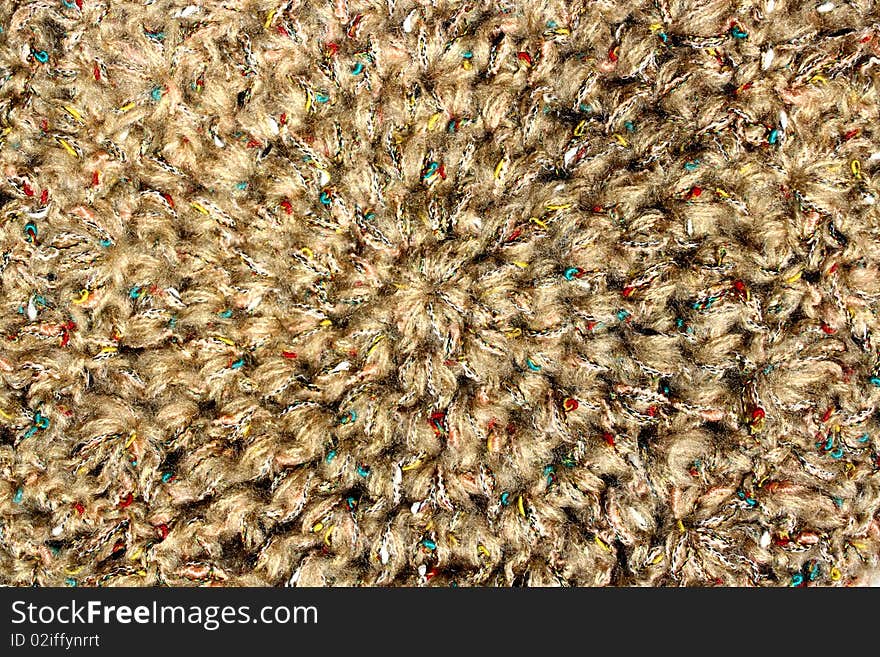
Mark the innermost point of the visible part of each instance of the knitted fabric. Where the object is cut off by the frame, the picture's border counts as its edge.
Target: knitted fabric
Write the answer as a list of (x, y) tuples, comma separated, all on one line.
[(447, 293)]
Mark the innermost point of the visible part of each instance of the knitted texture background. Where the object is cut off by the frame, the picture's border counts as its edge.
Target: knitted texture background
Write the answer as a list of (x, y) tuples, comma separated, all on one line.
[(447, 293)]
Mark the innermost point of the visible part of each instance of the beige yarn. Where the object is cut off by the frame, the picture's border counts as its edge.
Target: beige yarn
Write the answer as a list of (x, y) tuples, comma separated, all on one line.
[(404, 293)]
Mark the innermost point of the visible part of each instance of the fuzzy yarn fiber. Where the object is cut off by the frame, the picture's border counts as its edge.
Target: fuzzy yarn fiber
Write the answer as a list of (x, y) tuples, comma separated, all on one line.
[(401, 293)]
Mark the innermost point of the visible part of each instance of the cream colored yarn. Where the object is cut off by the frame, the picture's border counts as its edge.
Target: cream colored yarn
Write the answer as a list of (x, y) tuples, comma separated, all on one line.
[(446, 293)]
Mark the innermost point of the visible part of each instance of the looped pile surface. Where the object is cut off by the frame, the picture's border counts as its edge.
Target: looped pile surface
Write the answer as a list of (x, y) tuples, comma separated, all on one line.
[(406, 293)]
